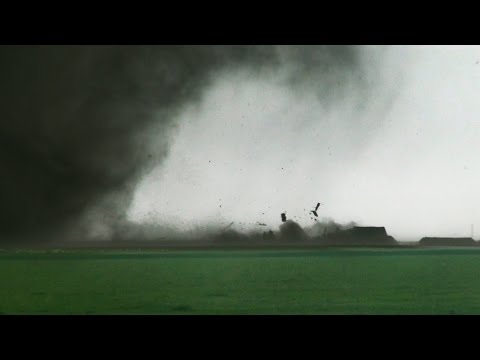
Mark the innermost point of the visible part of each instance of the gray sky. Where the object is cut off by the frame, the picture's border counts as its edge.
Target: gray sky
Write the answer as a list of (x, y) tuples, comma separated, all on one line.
[(405, 158)]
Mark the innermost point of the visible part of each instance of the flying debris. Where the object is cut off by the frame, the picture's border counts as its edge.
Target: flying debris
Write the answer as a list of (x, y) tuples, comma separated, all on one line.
[(261, 224), (226, 227), (314, 212), (284, 217)]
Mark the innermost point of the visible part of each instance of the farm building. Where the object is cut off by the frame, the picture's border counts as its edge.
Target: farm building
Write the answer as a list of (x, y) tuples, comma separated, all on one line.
[(446, 241), (358, 235)]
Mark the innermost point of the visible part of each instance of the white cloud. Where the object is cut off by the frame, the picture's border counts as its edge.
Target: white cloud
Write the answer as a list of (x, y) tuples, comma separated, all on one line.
[(256, 149)]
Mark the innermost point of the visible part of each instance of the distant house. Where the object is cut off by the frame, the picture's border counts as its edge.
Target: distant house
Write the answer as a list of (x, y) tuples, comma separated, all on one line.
[(368, 232), (446, 241), (360, 235)]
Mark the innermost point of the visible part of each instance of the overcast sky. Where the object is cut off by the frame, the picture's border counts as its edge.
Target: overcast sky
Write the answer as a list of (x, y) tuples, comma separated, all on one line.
[(405, 158)]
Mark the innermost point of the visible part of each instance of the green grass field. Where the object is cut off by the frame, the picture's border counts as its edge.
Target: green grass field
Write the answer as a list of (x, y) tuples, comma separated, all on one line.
[(331, 281)]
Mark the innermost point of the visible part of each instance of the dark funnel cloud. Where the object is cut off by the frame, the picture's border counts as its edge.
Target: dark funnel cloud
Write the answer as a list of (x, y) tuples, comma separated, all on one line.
[(75, 119)]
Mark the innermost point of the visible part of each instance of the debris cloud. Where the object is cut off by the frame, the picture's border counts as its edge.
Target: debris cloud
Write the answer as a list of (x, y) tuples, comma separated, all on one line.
[(77, 121)]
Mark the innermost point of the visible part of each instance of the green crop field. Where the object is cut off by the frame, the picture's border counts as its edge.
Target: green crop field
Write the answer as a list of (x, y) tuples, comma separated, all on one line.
[(330, 281)]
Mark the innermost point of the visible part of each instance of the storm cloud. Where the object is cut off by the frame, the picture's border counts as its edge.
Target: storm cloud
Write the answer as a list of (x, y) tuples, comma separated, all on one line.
[(76, 120)]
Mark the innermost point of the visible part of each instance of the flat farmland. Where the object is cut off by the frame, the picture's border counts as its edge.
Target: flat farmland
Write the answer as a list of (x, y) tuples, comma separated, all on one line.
[(320, 281)]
